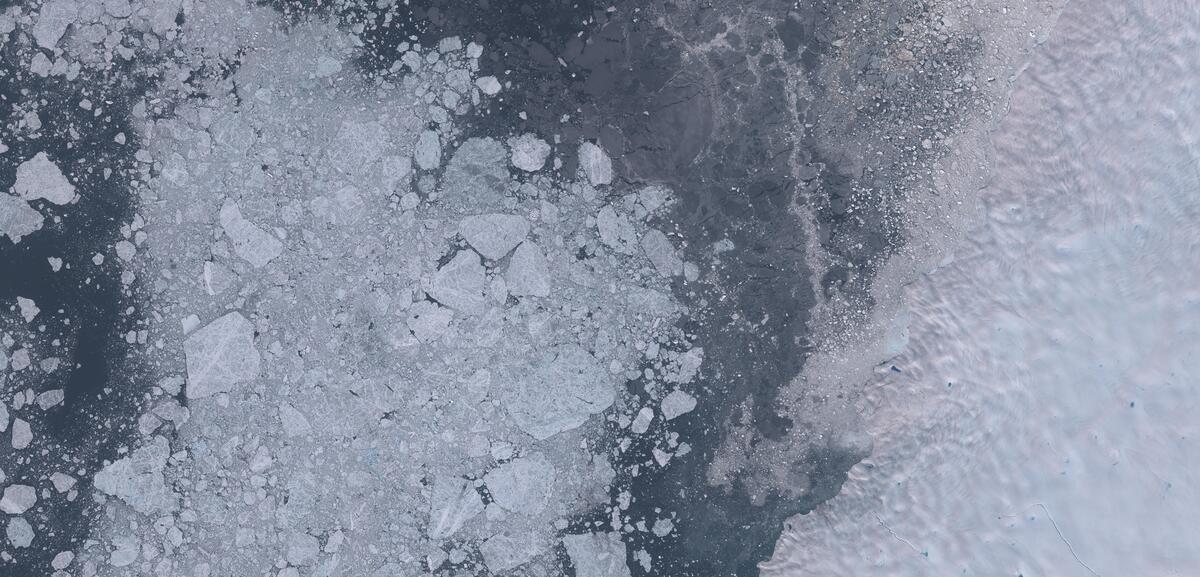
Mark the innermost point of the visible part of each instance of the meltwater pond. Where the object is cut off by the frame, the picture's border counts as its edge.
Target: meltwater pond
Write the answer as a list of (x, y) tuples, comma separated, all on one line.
[(1041, 420)]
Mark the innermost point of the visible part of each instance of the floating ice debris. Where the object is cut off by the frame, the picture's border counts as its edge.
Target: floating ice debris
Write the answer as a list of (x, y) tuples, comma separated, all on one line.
[(641, 423), (17, 499), (494, 235), (62, 482), (295, 424), (503, 552), (50, 398), (489, 85), (52, 21), (220, 355), (20, 532), (3, 411), (661, 253), (62, 560), (528, 152), (55, 263), (138, 479), (597, 555), (18, 219), (453, 503), (677, 403), (560, 394), (20, 360), (616, 232), (459, 283), (528, 273), (595, 164), (29, 309), (39, 178), (522, 485), (685, 366), (428, 153), (302, 549), (428, 321), (255, 245), (22, 435), (478, 173), (125, 250)]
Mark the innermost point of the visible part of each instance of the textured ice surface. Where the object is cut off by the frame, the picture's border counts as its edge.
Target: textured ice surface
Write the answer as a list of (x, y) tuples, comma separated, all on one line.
[(17, 218), (1041, 420), (40, 178), (566, 387), (221, 355)]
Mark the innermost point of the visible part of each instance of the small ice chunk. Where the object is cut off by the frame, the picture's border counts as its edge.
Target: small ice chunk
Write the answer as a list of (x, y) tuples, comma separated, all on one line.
[(17, 218), (566, 388), (428, 154), (40, 178), (522, 485), (55, 263), (302, 549), (22, 435), (62, 482), (641, 423), (125, 250), (327, 66), (595, 164), (528, 152), (220, 355), (597, 555), (138, 479), (53, 20), (20, 532), (17, 499), (428, 321), (453, 503), (616, 232), (40, 65), (29, 309), (494, 235), (50, 398), (459, 284), (677, 403), (488, 85), (528, 273), (295, 424), (661, 252), (504, 551), (62, 560), (255, 245), (3, 408)]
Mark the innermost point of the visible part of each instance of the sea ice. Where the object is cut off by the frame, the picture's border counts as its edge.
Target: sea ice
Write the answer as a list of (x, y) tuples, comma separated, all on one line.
[(677, 403), (595, 163), (528, 273), (17, 218), (597, 555), (522, 485), (17, 499), (494, 235), (40, 178), (138, 479), (529, 152), (20, 532), (560, 394), (428, 153), (255, 245), (220, 355), (453, 503), (459, 283)]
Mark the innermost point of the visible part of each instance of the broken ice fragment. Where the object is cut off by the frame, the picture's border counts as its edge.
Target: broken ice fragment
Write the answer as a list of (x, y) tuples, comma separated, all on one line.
[(677, 403), (22, 435), (641, 423), (522, 485), (255, 245), (138, 479), (50, 398), (454, 502), (493, 235), (528, 273), (17, 499), (560, 394), (220, 355), (661, 253), (20, 532), (503, 552), (428, 321), (40, 178), (294, 422), (428, 154), (528, 152), (52, 21), (489, 85), (62, 482), (18, 219), (597, 555), (28, 308), (459, 283), (302, 549), (62, 560), (616, 232), (595, 164)]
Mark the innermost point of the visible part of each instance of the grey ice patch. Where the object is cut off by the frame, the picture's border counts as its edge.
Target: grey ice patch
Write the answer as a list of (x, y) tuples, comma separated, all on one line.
[(428, 154), (428, 321), (503, 552), (616, 232), (493, 235), (29, 309), (528, 273), (597, 555), (489, 85), (138, 479), (50, 398), (560, 394), (255, 245), (478, 173), (677, 403), (22, 434), (17, 499), (302, 549), (40, 178), (595, 164), (459, 283), (453, 503), (661, 253), (20, 532), (18, 219), (641, 423), (529, 152), (522, 485), (220, 355), (52, 22), (295, 424)]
